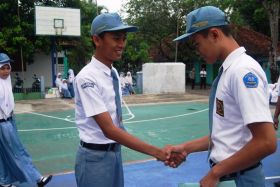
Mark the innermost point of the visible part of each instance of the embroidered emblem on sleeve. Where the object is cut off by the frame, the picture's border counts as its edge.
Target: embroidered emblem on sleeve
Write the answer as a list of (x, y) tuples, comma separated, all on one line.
[(251, 80), (220, 107), (87, 84)]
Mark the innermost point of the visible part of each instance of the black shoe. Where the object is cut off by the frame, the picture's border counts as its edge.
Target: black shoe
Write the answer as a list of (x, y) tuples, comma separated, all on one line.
[(44, 180), (277, 184)]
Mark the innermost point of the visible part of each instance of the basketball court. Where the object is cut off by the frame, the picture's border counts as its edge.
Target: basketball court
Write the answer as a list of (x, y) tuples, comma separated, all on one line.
[(52, 139)]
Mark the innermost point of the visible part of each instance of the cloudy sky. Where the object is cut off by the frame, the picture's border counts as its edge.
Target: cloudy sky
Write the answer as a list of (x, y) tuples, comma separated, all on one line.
[(112, 5)]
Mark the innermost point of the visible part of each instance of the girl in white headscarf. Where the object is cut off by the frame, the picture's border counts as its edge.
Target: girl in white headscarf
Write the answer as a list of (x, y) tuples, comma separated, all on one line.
[(15, 163), (70, 80), (129, 82), (61, 84)]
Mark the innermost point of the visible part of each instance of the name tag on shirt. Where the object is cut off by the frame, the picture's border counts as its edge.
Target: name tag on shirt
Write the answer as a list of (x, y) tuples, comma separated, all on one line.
[(220, 107)]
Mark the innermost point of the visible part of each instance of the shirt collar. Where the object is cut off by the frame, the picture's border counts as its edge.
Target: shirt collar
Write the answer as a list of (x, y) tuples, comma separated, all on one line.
[(100, 66), (232, 56)]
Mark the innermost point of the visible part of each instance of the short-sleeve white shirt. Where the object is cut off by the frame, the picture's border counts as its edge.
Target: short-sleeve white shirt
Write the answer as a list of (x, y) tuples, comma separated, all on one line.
[(203, 73), (278, 85), (94, 94), (237, 104)]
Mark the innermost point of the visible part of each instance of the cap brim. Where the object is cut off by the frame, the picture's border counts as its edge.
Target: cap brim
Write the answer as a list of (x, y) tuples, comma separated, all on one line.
[(126, 28), (183, 37)]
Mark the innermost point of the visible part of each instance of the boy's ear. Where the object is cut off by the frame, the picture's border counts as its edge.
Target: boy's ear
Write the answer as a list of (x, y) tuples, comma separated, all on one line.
[(214, 33), (95, 40)]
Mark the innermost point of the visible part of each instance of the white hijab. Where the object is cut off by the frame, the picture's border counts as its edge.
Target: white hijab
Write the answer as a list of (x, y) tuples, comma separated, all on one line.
[(128, 78), (71, 76), (7, 102), (58, 81)]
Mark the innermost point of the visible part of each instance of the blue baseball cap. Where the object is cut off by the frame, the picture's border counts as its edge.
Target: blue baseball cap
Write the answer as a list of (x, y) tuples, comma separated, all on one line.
[(109, 22), (4, 59), (203, 18)]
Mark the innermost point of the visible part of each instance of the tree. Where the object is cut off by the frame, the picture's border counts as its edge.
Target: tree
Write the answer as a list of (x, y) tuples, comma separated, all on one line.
[(155, 19), (160, 21), (16, 30), (272, 8), (136, 52)]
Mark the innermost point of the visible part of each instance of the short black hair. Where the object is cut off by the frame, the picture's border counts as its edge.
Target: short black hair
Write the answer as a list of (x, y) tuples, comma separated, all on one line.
[(101, 35), (224, 28)]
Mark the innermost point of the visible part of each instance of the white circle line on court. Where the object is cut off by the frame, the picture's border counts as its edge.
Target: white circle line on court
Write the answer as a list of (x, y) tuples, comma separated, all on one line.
[(169, 117), (50, 129), (147, 120), (168, 102), (48, 116)]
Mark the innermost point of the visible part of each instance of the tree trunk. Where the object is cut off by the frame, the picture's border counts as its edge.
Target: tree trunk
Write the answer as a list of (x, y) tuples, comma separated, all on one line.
[(272, 8)]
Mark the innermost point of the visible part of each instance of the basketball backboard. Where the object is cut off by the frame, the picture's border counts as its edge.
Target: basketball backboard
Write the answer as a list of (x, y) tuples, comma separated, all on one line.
[(57, 21)]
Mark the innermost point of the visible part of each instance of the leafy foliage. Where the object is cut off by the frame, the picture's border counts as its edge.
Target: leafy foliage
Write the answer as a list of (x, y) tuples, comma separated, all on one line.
[(159, 22)]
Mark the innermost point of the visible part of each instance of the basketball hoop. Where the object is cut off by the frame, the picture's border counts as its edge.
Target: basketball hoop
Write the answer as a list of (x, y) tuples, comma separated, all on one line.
[(55, 21), (58, 25)]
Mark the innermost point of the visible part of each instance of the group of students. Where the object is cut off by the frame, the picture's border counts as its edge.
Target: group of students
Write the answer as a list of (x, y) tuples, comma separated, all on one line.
[(65, 86), (126, 84), (241, 131)]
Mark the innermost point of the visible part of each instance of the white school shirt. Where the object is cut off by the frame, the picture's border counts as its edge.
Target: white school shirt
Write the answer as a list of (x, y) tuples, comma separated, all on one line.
[(241, 98), (278, 85), (94, 94), (203, 73)]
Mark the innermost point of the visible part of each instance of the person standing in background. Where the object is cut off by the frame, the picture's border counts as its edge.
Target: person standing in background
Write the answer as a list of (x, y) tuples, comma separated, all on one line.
[(192, 77), (70, 80), (203, 75), (129, 82)]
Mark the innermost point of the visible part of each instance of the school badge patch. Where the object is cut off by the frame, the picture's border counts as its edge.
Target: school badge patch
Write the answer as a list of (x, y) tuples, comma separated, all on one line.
[(251, 80), (220, 107), (87, 84)]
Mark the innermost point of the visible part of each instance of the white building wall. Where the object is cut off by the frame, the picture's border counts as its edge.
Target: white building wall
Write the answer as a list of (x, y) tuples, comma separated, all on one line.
[(42, 66), (163, 78)]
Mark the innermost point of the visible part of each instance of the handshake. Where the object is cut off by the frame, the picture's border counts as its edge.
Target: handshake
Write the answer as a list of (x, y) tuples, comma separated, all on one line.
[(172, 155)]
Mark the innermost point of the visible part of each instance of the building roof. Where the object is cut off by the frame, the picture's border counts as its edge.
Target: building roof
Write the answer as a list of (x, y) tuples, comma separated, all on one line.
[(256, 44)]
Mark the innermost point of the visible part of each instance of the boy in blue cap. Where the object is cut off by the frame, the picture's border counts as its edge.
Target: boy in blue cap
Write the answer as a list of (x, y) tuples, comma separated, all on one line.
[(15, 163), (240, 122), (98, 109)]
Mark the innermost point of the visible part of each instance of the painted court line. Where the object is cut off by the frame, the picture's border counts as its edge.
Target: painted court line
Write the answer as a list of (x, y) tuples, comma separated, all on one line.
[(169, 117), (63, 128), (129, 112), (48, 116), (50, 129)]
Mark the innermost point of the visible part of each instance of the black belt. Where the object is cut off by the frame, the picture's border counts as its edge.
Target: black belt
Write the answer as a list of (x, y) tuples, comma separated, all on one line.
[(99, 147), (4, 120), (232, 176)]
